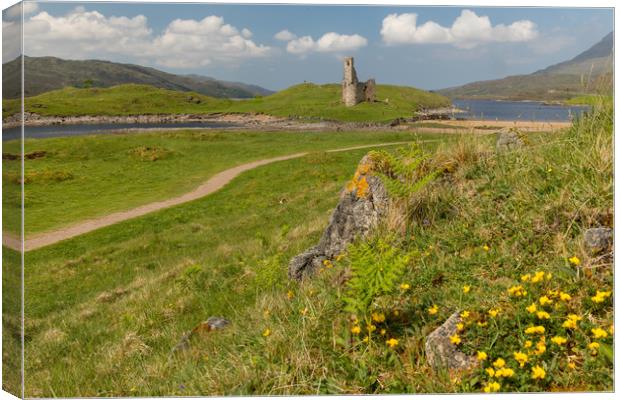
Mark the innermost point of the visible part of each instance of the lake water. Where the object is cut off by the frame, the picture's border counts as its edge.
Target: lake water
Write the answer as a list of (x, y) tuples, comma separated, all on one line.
[(516, 110), (41, 132)]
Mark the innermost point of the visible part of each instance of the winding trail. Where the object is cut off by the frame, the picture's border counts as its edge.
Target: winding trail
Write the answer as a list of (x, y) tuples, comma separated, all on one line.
[(213, 184)]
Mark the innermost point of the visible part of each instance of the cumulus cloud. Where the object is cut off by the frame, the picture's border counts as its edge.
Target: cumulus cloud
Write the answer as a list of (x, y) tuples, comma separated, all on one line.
[(285, 35), (467, 31), (184, 43), (15, 11), (330, 42)]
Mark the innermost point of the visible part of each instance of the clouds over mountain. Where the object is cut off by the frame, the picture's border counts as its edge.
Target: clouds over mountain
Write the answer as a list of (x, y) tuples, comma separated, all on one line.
[(467, 31), (183, 43), (330, 42)]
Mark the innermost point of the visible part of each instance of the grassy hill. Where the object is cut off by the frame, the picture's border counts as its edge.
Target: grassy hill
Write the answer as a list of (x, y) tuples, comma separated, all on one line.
[(588, 72), (50, 73), (105, 309), (306, 101)]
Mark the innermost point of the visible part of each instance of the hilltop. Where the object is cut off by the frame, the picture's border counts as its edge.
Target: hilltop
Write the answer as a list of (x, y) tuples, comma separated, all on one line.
[(50, 73), (304, 101), (588, 72)]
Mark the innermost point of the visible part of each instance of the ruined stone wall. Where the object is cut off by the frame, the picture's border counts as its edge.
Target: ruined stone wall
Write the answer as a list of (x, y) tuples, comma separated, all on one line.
[(353, 91)]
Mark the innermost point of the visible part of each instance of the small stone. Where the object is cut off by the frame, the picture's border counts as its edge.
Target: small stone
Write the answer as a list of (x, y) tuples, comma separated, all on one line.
[(441, 353), (509, 139), (217, 323), (598, 240)]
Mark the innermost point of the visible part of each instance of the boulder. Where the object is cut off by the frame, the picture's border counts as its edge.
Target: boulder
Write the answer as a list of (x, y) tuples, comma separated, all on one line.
[(441, 353), (598, 240), (363, 203), (509, 139)]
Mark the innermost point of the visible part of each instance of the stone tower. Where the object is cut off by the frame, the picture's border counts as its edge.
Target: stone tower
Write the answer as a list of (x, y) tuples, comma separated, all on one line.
[(353, 91)]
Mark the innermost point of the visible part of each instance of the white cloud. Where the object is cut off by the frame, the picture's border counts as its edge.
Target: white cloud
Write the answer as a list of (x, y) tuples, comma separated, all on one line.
[(467, 31), (15, 11), (184, 43), (331, 42), (285, 35), (11, 40)]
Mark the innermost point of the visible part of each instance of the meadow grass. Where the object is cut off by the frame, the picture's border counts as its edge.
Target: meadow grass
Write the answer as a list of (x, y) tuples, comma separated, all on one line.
[(305, 101), (89, 176), (104, 310)]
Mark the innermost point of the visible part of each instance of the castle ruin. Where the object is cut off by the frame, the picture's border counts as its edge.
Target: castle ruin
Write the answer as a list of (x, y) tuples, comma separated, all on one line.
[(353, 91)]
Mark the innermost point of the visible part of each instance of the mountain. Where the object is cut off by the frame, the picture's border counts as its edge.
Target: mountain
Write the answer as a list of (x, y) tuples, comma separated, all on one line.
[(49, 73), (589, 71)]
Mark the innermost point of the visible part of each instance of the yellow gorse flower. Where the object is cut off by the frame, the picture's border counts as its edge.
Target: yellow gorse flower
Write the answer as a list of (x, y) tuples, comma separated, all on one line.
[(574, 260), (571, 321), (481, 323), (526, 277), (544, 300), (460, 326), (565, 296), (518, 291), (465, 314), (371, 327), (481, 356), (485, 248), (541, 347), (532, 308), (356, 330), (290, 294), (504, 372), (392, 342), (378, 317), (538, 372), (539, 276), (594, 346), (493, 312), (466, 289), (490, 371), (433, 310), (266, 332), (527, 344), (559, 340), (404, 286), (543, 315), (521, 358)]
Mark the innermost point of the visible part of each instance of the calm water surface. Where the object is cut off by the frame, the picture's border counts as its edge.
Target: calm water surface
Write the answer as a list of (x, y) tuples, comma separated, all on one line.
[(516, 110)]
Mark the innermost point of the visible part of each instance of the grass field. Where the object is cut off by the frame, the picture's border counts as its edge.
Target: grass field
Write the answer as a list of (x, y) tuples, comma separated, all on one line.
[(89, 176), (104, 310), (306, 101)]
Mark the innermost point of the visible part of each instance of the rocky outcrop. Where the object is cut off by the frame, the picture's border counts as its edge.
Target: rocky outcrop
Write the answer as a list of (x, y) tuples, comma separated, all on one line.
[(362, 204), (509, 139), (598, 240), (441, 353)]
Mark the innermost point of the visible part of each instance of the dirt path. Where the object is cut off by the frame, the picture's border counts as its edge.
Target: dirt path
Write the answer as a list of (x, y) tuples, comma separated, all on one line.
[(212, 185)]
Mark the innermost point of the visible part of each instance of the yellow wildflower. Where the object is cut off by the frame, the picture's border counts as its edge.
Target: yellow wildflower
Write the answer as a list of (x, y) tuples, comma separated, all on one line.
[(404, 286), (535, 329), (565, 296), (266, 332), (366, 339), (492, 387), (455, 339), (490, 371), (371, 328), (594, 346), (559, 340), (599, 333), (539, 276), (383, 332), (521, 358), (340, 256), (433, 310), (504, 372), (542, 315), (460, 326), (392, 342), (600, 296), (290, 294), (465, 314), (611, 329), (485, 248), (538, 372), (527, 344), (499, 363), (493, 312), (553, 293), (517, 291), (482, 356), (571, 321), (356, 330), (532, 308), (574, 260), (480, 323), (544, 300), (526, 277), (327, 263), (548, 277), (571, 365), (466, 289), (396, 313), (541, 347), (378, 317)]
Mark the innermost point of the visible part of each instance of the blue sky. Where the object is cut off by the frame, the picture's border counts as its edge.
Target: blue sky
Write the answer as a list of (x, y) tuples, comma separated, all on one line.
[(426, 47)]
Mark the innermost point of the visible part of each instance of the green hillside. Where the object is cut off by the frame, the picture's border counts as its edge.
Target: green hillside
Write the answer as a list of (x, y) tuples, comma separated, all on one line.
[(50, 73), (588, 72), (305, 101)]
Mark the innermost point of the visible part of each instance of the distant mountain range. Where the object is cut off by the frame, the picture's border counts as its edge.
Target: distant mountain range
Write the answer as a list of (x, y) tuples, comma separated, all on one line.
[(49, 73), (590, 71)]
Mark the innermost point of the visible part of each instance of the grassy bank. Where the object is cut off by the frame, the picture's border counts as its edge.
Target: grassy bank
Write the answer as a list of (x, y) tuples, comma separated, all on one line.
[(83, 177), (301, 101)]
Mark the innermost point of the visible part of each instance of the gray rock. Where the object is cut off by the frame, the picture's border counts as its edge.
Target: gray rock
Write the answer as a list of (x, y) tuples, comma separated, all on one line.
[(360, 209), (509, 139), (440, 353), (217, 323), (598, 240)]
